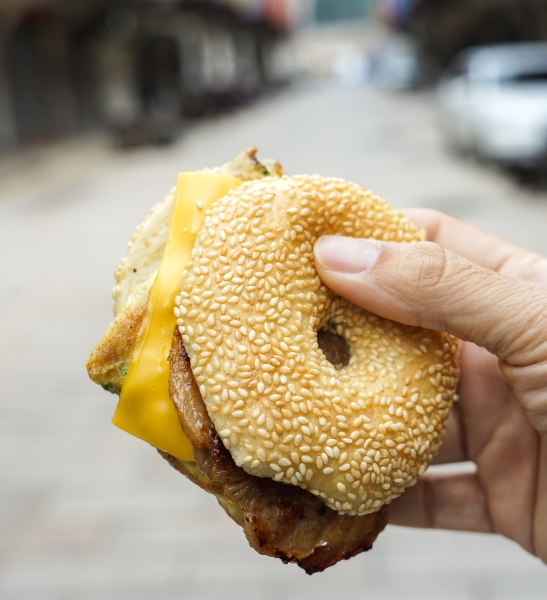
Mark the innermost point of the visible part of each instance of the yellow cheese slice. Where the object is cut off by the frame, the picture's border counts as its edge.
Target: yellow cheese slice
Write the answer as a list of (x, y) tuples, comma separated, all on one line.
[(145, 409)]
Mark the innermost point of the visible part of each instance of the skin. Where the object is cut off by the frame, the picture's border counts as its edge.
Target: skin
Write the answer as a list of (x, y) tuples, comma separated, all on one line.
[(492, 295)]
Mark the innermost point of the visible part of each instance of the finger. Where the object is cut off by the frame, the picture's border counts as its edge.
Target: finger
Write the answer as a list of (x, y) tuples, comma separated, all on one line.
[(530, 386), (425, 285), (453, 448), (479, 246), (444, 502), (540, 513)]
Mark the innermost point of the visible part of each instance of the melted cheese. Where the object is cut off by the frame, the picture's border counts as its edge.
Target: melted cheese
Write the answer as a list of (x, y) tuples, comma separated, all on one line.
[(145, 409)]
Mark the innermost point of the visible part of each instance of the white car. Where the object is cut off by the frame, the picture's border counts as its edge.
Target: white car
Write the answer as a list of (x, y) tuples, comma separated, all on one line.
[(493, 103)]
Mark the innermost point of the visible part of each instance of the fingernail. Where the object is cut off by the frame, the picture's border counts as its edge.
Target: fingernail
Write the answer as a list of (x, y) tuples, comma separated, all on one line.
[(345, 254)]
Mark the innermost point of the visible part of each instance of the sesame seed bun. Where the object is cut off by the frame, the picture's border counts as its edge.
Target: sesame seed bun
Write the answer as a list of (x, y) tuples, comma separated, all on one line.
[(109, 362), (250, 308)]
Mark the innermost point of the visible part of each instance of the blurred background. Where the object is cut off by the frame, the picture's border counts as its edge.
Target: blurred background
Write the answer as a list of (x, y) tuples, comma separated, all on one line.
[(435, 103)]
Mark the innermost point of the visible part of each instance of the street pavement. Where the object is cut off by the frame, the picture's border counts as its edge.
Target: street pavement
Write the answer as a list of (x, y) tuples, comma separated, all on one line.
[(88, 512)]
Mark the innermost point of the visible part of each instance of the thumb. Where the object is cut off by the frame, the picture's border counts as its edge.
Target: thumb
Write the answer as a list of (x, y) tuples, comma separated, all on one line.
[(425, 285)]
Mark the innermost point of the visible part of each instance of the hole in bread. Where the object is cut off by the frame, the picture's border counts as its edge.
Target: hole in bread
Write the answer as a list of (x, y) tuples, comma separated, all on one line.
[(334, 347)]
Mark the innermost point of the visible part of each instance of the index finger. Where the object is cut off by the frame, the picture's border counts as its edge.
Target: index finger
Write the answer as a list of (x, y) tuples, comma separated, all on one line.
[(479, 246)]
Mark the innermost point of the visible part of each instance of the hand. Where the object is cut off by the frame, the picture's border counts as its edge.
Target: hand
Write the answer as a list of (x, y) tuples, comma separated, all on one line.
[(493, 295)]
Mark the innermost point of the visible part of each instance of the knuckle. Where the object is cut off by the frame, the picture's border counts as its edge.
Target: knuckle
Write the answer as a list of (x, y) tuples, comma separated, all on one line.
[(432, 270), (437, 269), (535, 408), (437, 286), (526, 343), (435, 275)]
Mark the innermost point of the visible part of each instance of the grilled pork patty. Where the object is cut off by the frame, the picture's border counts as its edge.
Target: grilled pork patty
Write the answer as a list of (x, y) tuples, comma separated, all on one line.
[(278, 520)]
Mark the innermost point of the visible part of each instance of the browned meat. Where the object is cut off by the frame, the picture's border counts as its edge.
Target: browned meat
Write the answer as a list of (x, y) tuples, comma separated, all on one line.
[(279, 520)]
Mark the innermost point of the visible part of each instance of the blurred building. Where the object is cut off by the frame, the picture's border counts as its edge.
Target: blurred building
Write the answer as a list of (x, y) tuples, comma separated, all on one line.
[(335, 10), (440, 28), (135, 66)]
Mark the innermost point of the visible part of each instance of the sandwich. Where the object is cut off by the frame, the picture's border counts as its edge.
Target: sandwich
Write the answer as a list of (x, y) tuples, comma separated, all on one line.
[(304, 415)]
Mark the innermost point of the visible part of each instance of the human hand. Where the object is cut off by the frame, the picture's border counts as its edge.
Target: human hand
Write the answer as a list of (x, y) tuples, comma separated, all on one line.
[(492, 294)]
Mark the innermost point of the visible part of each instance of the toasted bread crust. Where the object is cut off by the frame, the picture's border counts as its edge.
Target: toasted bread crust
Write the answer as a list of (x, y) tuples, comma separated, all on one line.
[(109, 361)]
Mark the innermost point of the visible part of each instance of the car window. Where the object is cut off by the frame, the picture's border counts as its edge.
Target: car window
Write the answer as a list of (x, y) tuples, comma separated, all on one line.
[(527, 77)]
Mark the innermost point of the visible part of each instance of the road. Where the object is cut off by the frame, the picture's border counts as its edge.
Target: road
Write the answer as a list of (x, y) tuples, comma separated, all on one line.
[(88, 512)]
